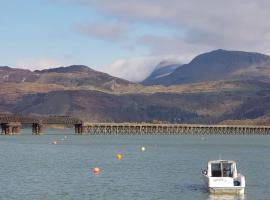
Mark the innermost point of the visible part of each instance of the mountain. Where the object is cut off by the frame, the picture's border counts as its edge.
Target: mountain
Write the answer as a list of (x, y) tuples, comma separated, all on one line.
[(164, 68), (12, 75), (238, 93), (69, 69), (220, 65), (72, 76), (81, 76)]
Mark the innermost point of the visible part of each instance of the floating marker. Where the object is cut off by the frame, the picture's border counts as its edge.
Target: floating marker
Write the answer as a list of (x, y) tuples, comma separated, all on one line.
[(118, 156), (142, 149), (53, 142), (95, 170)]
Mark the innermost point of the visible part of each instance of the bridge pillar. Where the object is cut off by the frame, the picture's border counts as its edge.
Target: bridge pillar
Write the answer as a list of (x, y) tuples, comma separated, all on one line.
[(79, 129), (5, 129), (10, 128), (15, 130), (36, 129)]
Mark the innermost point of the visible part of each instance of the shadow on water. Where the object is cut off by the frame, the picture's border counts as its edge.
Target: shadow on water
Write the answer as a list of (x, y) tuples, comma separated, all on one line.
[(200, 188), (191, 188), (195, 187)]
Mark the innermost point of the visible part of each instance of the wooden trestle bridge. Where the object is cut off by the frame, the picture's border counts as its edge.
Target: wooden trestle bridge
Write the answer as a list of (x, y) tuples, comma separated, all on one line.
[(172, 129), (11, 124)]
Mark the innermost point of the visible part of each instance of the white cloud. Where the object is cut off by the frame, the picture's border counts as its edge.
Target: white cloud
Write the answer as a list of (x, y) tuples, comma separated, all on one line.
[(38, 63), (109, 31), (134, 69), (137, 69), (161, 45), (229, 24)]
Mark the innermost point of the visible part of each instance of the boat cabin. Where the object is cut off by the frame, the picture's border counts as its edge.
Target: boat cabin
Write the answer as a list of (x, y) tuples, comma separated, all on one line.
[(222, 168)]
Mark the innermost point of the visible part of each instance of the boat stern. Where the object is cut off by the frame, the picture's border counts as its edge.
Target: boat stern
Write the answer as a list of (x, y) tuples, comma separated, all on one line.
[(227, 190), (226, 185)]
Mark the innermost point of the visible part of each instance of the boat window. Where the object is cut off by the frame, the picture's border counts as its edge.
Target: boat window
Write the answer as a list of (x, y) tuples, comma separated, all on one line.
[(216, 170), (227, 169)]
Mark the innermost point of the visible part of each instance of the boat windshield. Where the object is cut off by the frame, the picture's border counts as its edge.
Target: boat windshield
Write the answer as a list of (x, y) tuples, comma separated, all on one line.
[(221, 169), (216, 169), (227, 169)]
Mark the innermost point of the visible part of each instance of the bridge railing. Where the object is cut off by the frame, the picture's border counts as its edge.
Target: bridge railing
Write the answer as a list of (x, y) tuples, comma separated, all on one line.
[(172, 129)]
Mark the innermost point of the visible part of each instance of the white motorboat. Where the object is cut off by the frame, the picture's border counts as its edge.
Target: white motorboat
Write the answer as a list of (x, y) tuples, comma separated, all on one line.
[(221, 177)]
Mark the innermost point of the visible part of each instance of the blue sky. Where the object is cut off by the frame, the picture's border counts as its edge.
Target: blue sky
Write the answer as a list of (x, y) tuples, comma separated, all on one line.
[(42, 29), (127, 38)]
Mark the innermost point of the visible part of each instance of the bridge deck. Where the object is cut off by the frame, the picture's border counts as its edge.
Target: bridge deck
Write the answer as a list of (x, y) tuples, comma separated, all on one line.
[(66, 120)]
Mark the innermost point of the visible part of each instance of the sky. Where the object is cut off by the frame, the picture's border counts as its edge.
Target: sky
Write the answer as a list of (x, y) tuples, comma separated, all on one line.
[(127, 38)]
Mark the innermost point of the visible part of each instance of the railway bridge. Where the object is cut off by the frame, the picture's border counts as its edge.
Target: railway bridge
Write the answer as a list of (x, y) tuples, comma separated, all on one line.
[(11, 124), (172, 129)]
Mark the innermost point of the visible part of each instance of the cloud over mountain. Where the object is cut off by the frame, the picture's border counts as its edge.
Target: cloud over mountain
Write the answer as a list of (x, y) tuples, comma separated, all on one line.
[(135, 69)]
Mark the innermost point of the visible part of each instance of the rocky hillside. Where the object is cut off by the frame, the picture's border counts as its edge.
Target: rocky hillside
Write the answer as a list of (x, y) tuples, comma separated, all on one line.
[(13, 75), (217, 103)]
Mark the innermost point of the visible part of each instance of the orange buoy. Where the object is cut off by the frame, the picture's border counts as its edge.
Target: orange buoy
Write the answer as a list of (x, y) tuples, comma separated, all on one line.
[(118, 156), (96, 170)]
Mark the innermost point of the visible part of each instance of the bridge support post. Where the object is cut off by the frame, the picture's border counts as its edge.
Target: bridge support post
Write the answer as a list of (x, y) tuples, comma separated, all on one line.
[(5, 129), (15, 130), (10, 128), (79, 130), (2, 129), (36, 129)]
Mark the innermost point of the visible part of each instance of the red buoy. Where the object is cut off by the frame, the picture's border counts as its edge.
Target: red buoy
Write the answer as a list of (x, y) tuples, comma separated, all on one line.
[(96, 170)]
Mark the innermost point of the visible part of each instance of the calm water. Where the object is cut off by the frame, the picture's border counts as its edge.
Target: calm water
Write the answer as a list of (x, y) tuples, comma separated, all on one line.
[(31, 168)]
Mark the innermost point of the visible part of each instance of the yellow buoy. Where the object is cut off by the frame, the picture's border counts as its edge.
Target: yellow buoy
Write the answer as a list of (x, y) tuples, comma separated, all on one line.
[(118, 156), (54, 142)]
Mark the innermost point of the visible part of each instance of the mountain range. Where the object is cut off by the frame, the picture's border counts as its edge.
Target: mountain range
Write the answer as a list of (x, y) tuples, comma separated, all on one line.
[(215, 87), (217, 65)]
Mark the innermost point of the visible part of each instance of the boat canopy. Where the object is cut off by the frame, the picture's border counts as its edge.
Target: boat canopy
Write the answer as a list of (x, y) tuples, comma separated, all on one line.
[(222, 168)]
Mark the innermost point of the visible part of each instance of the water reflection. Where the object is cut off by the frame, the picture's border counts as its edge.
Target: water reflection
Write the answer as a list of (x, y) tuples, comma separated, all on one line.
[(225, 197)]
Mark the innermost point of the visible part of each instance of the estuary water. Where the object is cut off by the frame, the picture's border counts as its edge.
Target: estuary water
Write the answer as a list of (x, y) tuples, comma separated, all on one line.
[(58, 164)]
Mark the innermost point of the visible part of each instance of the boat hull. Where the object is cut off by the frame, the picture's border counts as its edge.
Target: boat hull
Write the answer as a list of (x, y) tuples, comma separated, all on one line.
[(226, 190), (223, 185)]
